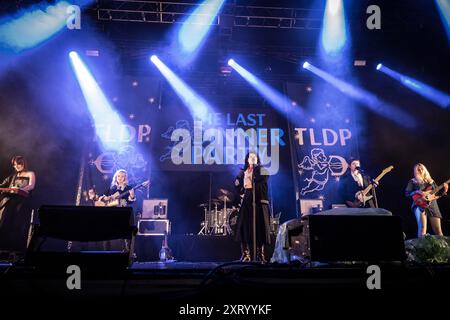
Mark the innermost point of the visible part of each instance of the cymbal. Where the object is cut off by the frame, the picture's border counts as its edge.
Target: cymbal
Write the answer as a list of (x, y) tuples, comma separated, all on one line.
[(203, 205), (224, 198), (225, 192)]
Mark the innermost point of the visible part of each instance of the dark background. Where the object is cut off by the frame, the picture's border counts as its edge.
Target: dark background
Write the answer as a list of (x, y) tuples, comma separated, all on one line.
[(44, 117)]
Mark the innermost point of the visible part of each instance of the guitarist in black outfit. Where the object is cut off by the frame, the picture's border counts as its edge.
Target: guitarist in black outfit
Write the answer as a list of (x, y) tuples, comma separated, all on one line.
[(352, 182), (118, 186)]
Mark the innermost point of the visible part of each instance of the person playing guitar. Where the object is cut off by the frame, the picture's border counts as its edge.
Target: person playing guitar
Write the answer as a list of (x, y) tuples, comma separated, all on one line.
[(418, 189), (15, 192), (113, 198), (352, 184), (119, 185)]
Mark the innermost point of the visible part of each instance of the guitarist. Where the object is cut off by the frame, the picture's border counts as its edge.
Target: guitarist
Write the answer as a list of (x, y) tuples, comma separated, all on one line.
[(422, 181), (14, 206), (118, 186), (352, 182)]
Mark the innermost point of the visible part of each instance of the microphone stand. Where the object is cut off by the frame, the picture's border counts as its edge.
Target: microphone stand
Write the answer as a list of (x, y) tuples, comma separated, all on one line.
[(254, 212), (374, 192), (374, 185)]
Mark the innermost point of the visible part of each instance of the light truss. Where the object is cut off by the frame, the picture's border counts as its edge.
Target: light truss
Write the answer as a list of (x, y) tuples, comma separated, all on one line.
[(231, 15)]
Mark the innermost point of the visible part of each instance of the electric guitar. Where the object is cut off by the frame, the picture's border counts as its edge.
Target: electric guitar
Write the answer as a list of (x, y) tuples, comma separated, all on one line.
[(357, 203), (424, 198), (15, 191), (114, 200)]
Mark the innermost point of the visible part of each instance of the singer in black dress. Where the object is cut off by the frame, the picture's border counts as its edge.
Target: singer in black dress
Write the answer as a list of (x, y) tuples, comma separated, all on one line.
[(253, 173)]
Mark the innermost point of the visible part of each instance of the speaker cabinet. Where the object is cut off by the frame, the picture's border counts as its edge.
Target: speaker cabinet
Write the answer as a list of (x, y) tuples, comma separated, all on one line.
[(82, 225), (348, 238)]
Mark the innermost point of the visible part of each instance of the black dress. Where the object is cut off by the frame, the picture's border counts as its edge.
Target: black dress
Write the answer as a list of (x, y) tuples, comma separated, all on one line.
[(244, 229), (348, 187), (433, 208), (15, 214)]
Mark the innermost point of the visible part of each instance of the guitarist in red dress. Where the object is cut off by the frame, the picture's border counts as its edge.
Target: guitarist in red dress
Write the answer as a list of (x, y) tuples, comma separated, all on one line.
[(417, 188), (352, 183)]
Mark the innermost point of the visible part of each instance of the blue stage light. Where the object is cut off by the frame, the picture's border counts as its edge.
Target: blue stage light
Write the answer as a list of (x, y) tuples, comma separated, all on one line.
[(197, 106), (334, 30), (305, 64), (439, 97), (230, 62), (275, 98), (109, 127), (34, 25), (444, 12), (367, 99), (196, 27), (379, 66)]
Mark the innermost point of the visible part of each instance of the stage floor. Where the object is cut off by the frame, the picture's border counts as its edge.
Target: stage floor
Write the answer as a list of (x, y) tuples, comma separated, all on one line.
[(178, 281)]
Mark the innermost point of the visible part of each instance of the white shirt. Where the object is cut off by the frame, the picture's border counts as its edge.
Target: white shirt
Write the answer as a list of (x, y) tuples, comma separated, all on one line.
[(358, 178)]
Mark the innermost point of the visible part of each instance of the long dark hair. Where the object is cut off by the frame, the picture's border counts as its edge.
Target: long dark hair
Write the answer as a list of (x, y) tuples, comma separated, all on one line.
[(246, 160)]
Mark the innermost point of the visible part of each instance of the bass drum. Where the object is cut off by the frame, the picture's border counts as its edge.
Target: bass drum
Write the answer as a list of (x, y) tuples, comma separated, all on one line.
[(232, 221)]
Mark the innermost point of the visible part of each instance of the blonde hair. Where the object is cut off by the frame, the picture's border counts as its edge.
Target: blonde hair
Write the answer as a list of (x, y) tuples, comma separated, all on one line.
[(114, 179), (423, 175)]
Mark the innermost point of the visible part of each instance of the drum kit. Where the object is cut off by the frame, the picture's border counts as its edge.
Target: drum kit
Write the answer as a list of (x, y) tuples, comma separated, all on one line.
[(221, 220)]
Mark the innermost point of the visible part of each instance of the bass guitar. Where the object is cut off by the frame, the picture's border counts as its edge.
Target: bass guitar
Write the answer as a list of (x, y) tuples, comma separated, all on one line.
[(424, 197), (114, 200), (357, 203)]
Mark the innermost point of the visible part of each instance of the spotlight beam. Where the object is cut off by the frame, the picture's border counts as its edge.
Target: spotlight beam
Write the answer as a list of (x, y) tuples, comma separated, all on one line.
[(103, 114), (197, 106), (34, 25), (276, 99), (440, 98), (444, 13), (334, 30), (196, 27), (366, 98)]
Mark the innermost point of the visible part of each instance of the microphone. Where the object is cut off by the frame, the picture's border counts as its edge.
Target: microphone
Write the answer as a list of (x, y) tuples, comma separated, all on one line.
[(359, 169)]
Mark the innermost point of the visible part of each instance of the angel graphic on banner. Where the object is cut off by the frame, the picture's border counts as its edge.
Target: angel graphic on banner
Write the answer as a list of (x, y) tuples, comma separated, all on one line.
[(321, 167)]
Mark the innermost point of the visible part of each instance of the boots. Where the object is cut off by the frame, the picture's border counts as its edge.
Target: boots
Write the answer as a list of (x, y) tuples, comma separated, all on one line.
[(260, 256), (245, 253)]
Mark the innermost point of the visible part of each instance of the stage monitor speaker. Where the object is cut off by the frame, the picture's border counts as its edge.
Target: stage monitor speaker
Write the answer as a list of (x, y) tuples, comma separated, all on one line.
[(81, 224), (348, 238), (155, 209)]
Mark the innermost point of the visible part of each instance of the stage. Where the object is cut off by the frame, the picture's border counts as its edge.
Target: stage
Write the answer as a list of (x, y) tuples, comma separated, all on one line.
[(179, 281), (144, 152)]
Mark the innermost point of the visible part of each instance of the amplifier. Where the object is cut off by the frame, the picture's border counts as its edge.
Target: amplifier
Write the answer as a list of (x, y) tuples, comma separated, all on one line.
[(153, 227), (348, 238), (155, 209)]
